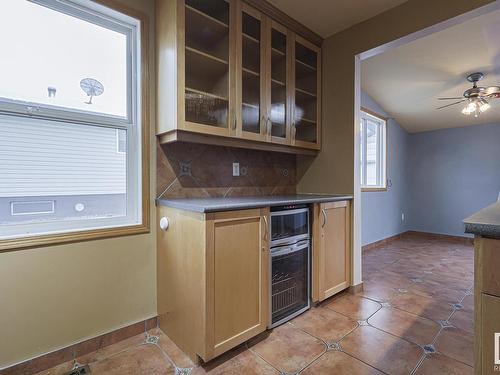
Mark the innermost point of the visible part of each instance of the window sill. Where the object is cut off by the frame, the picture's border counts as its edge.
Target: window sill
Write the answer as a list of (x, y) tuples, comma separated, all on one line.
[(71, 237), (368, 189)]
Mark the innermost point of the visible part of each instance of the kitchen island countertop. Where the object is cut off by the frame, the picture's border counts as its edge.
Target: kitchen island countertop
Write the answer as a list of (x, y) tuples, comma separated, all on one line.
[(485, 222)]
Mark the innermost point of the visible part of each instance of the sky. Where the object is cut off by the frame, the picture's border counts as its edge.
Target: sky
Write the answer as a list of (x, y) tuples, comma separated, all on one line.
[(42, 47)]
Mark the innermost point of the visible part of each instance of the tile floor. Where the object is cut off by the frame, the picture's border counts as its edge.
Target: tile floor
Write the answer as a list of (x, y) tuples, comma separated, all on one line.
[(414, 316)]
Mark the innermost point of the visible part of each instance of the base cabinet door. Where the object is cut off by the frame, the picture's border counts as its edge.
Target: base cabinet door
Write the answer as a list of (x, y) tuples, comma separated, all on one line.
[(237, 278), (490, 334), (331, 249)]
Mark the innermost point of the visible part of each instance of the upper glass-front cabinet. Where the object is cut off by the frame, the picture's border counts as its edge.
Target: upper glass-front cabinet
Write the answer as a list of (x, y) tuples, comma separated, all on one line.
[(306, 64), (229, 70), (207, 67), (251, 73)]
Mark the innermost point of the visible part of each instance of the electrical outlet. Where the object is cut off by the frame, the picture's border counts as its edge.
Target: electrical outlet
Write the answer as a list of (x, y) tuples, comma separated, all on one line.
[(236, 169), (402, 216)]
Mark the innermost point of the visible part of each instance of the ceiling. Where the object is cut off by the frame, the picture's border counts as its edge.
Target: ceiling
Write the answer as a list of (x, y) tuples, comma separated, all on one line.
[(327, 17), (407, 81)]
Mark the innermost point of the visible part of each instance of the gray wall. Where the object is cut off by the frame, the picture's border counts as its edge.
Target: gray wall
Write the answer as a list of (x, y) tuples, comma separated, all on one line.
[(438, 178), (381, 211), (454, 173)]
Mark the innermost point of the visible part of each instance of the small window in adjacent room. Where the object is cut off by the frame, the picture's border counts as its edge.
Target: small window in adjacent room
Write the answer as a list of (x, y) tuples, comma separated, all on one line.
[(373, 152), (70, 119)]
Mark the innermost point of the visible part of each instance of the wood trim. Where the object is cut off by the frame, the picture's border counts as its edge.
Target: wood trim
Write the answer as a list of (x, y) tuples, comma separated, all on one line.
[(369, 189), (355, 289), (382, 242), (374, 114), (411, 233), (466, 240), (191, 137), (281, 17), (70, 352), (144, 227)]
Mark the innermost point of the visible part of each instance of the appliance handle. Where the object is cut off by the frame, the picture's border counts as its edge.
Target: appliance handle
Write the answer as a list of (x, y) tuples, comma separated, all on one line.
[(284, 250), (289, 212), (266, 233), (324, 217)]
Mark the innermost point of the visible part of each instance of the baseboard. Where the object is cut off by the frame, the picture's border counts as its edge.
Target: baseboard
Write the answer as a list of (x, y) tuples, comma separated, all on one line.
[(355, 289), (448, 237), (74, 351), (382, 242)]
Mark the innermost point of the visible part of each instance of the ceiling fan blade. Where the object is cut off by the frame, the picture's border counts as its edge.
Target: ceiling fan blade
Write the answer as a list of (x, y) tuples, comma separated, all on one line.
[(449, 105), (456, 98)]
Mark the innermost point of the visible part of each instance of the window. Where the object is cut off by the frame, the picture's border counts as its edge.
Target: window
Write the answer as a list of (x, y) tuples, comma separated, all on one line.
[(70, 118), (373, 152)]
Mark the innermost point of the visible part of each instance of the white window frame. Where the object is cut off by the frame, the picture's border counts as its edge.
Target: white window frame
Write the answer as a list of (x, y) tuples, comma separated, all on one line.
[(16, 111), (381, 151)]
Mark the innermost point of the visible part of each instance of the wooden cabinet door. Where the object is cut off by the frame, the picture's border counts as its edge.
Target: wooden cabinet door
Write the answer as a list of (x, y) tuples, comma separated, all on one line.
[(251, 72), (205, 66), (278, 83), (306, 94), (331, 249), (490, 324), (237, 268)]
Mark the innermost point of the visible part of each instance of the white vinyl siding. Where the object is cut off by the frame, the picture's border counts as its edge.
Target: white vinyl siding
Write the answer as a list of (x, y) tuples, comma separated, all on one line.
[(59, 159)]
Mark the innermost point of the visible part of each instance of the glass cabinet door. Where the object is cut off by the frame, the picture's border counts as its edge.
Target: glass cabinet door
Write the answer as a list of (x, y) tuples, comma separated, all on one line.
[(251, 75), (305, 122), (207, 63), (278, 116)]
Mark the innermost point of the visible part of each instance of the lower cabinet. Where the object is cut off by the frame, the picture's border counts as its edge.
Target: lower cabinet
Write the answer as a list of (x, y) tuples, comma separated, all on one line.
[(490, 334), (486, 306), (213, 272), (331, 251)]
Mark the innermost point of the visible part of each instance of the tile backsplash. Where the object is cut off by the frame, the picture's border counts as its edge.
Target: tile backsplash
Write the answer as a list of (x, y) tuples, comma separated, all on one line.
[(189, 170)]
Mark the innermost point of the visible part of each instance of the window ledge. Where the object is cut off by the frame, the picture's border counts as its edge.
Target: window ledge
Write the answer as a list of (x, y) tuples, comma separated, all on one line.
[(71, 237), (368, 189)]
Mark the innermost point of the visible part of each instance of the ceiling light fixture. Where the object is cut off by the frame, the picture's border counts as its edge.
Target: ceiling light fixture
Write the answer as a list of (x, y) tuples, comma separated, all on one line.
[(476, 98), (476, 106)]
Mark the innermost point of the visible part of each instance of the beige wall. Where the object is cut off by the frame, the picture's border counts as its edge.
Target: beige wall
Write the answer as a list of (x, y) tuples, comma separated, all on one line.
[(333, 170), (53, 296)]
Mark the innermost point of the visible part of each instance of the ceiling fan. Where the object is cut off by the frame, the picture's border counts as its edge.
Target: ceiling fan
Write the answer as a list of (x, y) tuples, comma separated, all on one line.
[(476, 97)]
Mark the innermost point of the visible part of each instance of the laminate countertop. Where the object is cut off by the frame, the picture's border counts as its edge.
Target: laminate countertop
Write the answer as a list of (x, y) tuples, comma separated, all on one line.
[(485, 222), (206, 205)]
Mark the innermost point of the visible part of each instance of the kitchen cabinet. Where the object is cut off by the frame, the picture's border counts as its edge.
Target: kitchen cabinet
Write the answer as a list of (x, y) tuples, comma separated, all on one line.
[(486, 304), (228, 74), (213, 279), (331, 252), (490, 324)]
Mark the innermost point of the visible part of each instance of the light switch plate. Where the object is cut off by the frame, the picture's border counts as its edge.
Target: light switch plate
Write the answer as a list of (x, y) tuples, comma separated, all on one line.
[(236, 169)]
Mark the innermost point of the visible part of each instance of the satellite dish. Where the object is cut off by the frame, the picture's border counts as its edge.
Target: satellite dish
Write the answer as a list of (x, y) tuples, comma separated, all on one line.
[(91, 87)]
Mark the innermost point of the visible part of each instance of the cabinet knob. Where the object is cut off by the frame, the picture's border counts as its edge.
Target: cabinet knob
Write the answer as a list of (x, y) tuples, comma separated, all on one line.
[(164, 223)]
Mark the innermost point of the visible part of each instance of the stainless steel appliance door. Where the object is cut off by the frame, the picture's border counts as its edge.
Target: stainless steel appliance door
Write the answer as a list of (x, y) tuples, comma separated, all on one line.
[(289, 226), (289, 282)]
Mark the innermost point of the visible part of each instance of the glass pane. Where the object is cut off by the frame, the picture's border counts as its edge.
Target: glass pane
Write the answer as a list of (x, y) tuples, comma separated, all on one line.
[(289, 284), (55, 172), (278, 84), (206, 62), (289, 225), (305, 94), (372, 154), (251, 73), (55, 59)]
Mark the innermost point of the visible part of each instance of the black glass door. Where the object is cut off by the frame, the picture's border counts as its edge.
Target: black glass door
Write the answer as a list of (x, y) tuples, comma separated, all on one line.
[(289, 281), (289, 226)]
